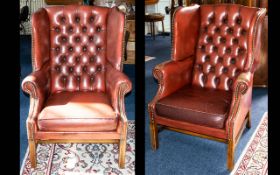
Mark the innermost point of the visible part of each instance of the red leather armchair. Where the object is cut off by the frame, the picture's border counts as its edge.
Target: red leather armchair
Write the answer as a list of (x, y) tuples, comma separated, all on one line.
[(77, 87), (205, 89)]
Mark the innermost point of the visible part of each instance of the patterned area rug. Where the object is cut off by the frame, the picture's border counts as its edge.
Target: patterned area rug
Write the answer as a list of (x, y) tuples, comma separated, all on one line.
[(82, 159), (148, 58), (254, 159)]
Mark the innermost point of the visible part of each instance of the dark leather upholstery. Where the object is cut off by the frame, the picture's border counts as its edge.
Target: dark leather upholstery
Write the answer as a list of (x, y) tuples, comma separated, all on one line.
[(79, 111), (200, 106), (215, 51)]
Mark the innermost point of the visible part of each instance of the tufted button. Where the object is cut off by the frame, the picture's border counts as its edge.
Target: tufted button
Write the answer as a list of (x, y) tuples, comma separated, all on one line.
[(91, 59), (57, 68), (230, 30), (230, 81), (228, 50), (98, 48), (232, 60), (77, 19), (203, 48), (223, 40), (77, 59), (204, 78), (99, 68), (90, 38), (91, 19), (238, 20), (225, 20), (85, 68), (63, 39), (241, 51), (211, 19), (71, 69), (215, 48), (77, 39), (64, 78), (220, 59), (63, 19), (98, 29), (70, 29), (207, 58), (209, 39), (78, 78), (243, 32), (70, 49), (217, 30), (92, 78), (57, 29), (57, 49), (225, 70), (217, 80), (63, 59), (235, 41), (84, 48), (199, 67), (212, 69), (84, 29)]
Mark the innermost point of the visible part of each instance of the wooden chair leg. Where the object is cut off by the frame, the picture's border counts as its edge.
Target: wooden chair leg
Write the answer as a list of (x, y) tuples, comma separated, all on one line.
[(154, 32), (163, 32), (32, 153), (122, 146), (154, 135), (230, 155), (151, 26), (122, 153), (248, 124)]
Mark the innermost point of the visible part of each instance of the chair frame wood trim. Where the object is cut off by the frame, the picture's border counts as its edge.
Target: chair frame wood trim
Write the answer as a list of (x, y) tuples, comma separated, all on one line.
[(120, 135), (231, 144)]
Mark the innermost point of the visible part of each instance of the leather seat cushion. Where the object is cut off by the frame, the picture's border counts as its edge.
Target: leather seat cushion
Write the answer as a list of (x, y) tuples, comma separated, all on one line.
[(206, 107), (78, 111)]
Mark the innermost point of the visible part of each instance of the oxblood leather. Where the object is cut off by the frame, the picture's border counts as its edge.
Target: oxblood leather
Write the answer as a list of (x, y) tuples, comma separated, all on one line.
[(51, 29), (206, 107), (184, 43), (79, 111), (214, 67), (115, 79)]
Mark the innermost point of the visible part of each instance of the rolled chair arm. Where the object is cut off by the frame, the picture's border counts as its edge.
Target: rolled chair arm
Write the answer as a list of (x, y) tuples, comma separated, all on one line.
[(117, 86), (241, 102), (37, 86), (171, 76)]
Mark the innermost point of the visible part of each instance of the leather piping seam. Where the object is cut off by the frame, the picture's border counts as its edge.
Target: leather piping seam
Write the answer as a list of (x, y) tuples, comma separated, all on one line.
[(123, 42), (189, 109), (79, 119), (236, 107), (123, 89), (260, 14), (172, 29)]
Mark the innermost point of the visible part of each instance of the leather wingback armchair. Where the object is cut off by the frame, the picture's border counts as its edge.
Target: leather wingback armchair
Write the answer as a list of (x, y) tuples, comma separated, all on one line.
[(77, 87), (206, 88)]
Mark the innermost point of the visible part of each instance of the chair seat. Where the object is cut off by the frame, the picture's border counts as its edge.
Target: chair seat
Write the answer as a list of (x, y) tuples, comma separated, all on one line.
[(196, 105), (78, 111)]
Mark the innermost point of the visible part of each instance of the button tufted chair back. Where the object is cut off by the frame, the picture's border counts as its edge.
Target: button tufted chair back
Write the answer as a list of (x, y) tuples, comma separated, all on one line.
[(79, 41), (224, 46)]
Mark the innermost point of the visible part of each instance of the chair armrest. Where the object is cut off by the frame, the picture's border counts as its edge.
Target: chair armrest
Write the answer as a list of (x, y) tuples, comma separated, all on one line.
[(117, 86), (37, 86), (241, 103), (171, 76)]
